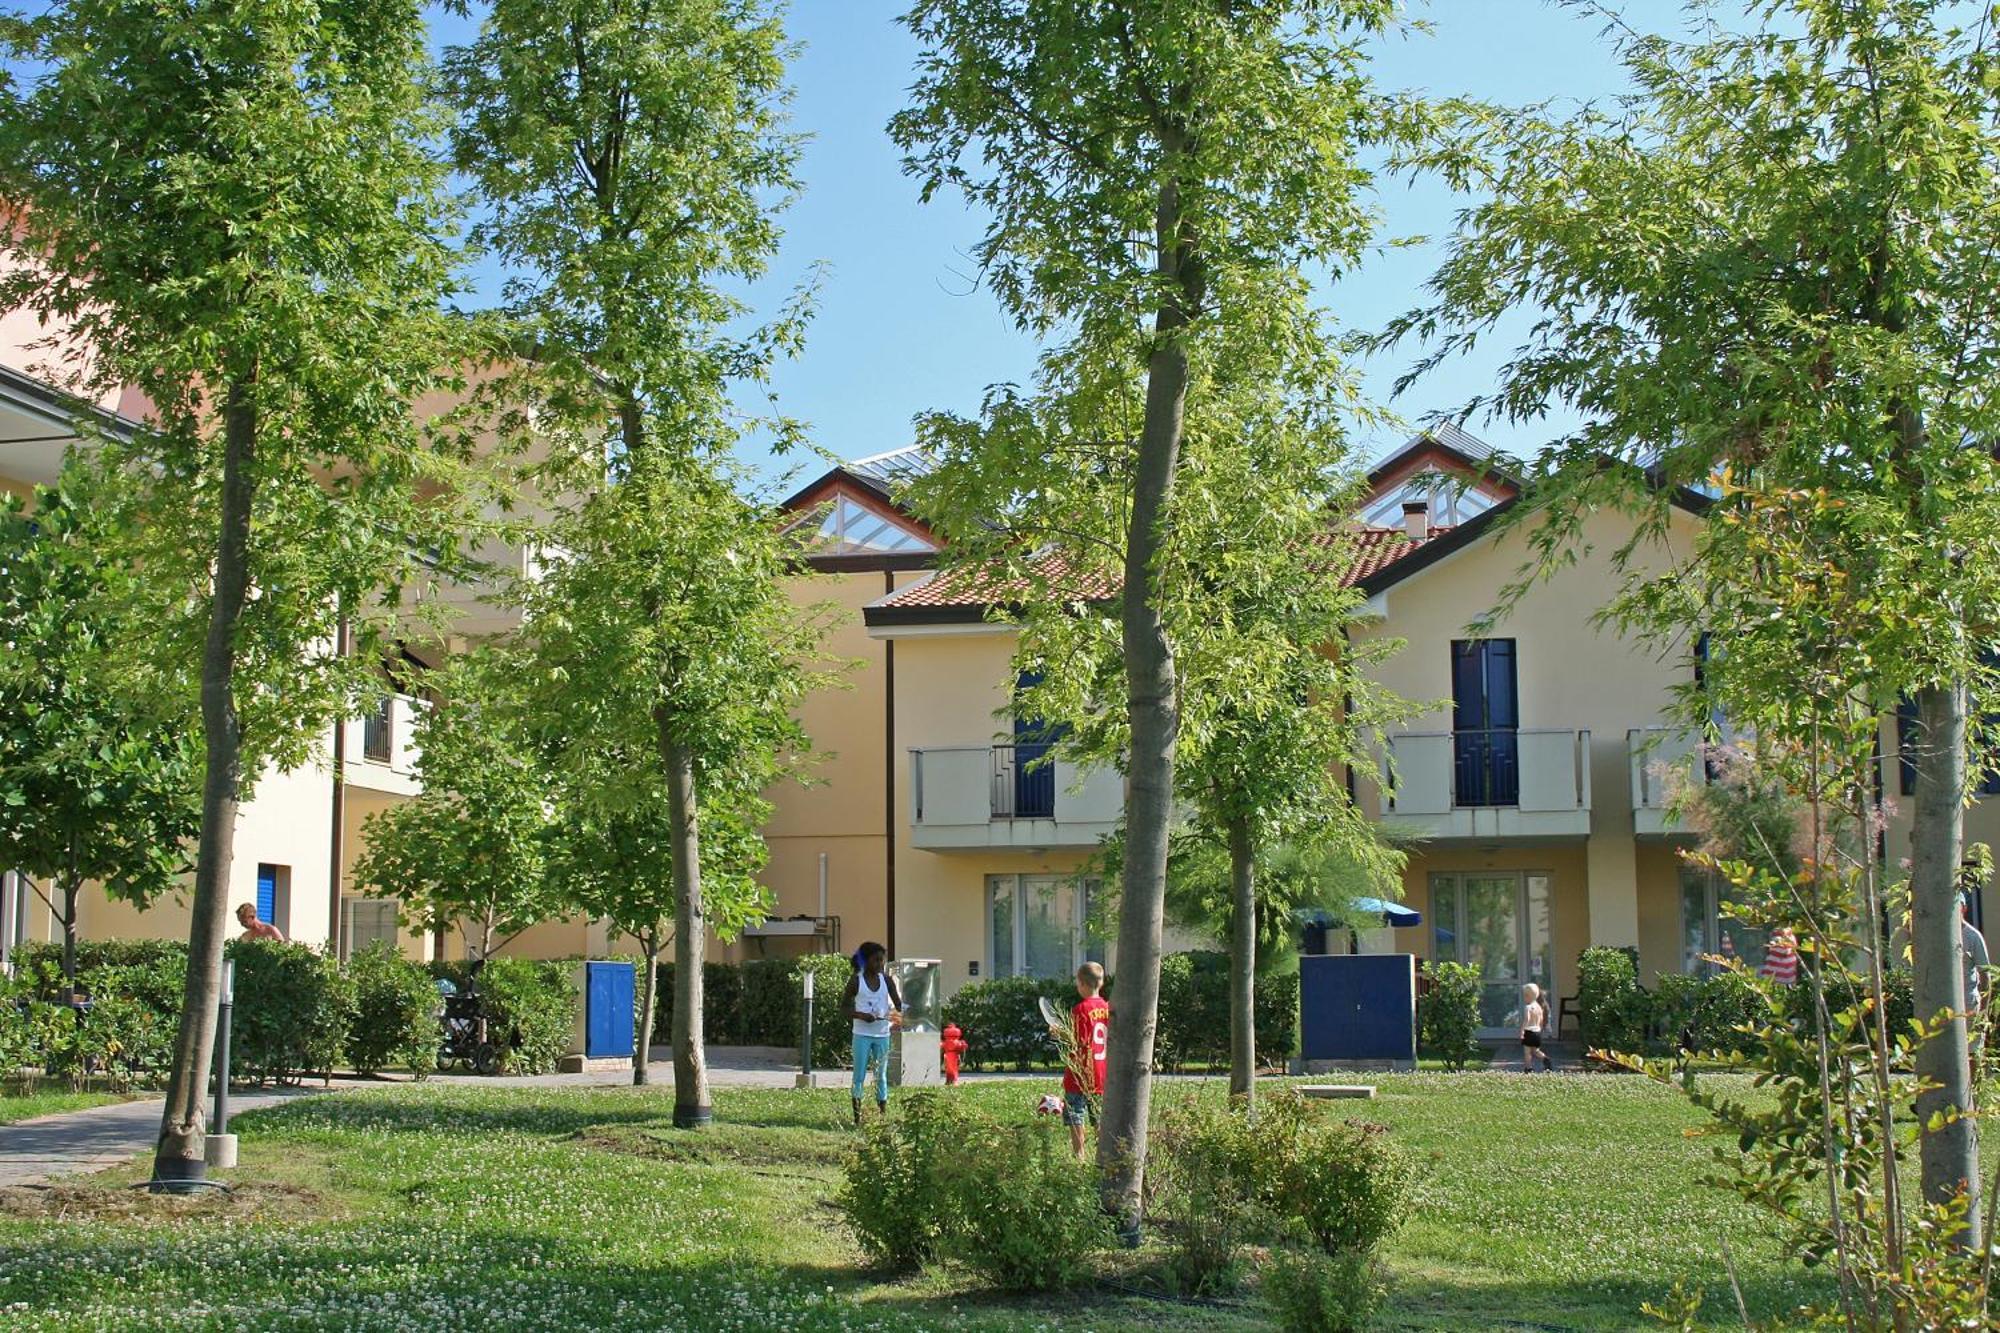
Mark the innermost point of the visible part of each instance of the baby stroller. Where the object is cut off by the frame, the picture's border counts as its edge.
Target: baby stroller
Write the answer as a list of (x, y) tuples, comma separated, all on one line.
[(462, 1028)]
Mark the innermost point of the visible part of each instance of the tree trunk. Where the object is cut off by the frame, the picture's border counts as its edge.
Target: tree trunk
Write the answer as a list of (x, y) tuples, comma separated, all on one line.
[(72, 887), (183, 1136), (1153, 704), (1242, 965), (691, 1108), (1950, 1151), (649, 989)]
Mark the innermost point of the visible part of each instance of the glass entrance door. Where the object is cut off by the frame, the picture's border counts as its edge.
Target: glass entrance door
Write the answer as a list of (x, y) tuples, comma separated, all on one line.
[(1499, 923)]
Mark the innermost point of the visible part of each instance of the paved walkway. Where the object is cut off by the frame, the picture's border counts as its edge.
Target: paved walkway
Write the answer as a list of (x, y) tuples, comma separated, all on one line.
[(32, 1151)]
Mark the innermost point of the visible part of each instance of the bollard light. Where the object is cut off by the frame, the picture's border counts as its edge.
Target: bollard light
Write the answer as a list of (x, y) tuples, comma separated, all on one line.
[(806, 1028)]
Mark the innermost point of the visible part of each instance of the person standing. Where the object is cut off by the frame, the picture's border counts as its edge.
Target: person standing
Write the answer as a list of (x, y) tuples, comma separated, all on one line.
[(1083, 1069), (1534, 1017), (871, 1001), (1781, 958)]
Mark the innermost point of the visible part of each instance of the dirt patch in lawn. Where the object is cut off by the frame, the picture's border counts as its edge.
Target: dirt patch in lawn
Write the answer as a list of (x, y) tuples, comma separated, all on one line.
[(788, 1150), (260, 1199)]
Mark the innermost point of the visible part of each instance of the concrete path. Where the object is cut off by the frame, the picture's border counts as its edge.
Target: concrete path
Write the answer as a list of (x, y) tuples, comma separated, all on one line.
[(32, 1151)]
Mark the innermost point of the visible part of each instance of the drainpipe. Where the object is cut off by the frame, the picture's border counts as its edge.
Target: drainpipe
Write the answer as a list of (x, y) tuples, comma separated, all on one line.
[(342, 647)]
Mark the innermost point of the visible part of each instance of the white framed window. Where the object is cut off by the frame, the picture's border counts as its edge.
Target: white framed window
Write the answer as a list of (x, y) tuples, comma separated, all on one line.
[(1706, 933), (364, 921), (1039, 926)]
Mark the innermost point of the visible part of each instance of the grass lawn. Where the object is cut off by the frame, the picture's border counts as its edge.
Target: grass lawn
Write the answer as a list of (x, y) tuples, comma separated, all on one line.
[(1550, 1202), (19, 1105)]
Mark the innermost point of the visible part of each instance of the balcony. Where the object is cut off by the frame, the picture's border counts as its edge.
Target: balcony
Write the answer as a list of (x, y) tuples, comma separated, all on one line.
[(381, 749), (974, 797), (1476, 785), (1662, 760)]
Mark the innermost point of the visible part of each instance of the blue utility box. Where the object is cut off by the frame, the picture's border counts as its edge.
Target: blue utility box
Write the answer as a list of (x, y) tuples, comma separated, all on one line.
[(1358, 1009), (604, 1019)]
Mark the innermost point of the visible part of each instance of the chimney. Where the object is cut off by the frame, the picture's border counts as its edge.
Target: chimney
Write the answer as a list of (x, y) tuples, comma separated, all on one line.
[(1417, 520)]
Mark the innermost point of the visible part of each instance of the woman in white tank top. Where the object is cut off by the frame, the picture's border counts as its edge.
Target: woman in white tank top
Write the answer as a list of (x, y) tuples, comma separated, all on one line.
[(873, 1005)]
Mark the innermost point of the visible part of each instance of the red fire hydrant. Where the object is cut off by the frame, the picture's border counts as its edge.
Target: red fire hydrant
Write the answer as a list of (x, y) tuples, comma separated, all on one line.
[(953, 1046)]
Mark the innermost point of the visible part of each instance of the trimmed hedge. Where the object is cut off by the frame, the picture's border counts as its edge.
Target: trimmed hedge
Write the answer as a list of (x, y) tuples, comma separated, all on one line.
[(1448, 1014), (1002, 1023), (1194, 1011), (396, 1012), (294, 1009), (1612, 1010)]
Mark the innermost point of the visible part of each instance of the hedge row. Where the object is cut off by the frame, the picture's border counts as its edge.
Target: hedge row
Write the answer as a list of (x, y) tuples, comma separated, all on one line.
[(1002, 1023), (297, 1011), (758, 1003), (1711, 1013)]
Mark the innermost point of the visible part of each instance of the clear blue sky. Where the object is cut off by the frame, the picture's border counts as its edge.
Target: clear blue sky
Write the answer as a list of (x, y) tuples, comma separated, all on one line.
[(902, 328)]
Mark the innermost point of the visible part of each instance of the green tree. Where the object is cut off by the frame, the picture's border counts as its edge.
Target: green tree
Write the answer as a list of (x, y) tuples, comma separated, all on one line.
[(100, 770), (631, 158), (1161, 179), (671, 660), (1780, 257), (1278, 706), (473, 848), (235, 209)]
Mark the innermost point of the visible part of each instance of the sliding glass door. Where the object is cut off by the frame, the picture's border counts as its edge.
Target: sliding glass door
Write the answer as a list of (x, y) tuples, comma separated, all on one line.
[(1498, 922)]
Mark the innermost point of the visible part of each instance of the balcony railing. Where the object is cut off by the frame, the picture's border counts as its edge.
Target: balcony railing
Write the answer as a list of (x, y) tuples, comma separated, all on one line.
[(382, 748), (1024, 782), (1662, 759), (1489, 782), (1009, 795)]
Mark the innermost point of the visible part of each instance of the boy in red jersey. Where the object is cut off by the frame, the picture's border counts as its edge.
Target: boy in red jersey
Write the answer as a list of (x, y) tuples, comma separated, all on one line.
[(1083, 1075)]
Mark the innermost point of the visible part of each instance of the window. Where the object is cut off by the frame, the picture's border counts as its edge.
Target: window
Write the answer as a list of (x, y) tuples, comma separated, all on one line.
[(1485, 721), (274, 896), (845, 527), (364, 921), (1707, 934), (1906, 752), (376, 736), (1032, 778), (1038, 926)]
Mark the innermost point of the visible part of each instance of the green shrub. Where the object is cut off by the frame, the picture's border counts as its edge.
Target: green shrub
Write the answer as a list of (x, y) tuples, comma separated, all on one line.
[(721, 1002), (1313, 1292), (1002, 1023), (395, 1019), (768, 1010), (1194, 1010), (1343, 1182), (892, 1194), (293, 1010), (1293, 1176), (530, 1008), (1024, 1210), (1448, 1014), (1195, 1197), (149, 974), (833, 1036), (1611, 1007), (1703, 1014)]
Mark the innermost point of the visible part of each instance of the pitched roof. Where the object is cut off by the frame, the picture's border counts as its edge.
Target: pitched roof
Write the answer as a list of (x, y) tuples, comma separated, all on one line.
[(966, 595)]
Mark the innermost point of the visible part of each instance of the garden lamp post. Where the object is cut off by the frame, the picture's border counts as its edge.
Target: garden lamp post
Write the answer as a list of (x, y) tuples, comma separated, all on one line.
[(221, 1149)]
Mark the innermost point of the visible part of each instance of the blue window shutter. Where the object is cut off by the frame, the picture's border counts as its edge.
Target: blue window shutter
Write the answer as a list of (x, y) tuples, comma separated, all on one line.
[(267, 893)]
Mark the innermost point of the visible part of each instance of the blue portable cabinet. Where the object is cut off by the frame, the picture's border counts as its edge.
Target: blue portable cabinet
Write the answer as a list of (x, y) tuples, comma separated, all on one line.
[(1358, 1009), (604, 1020)]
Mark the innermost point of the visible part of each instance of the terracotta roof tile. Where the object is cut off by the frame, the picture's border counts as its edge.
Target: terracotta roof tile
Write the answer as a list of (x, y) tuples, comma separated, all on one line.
[(1375, 549)]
